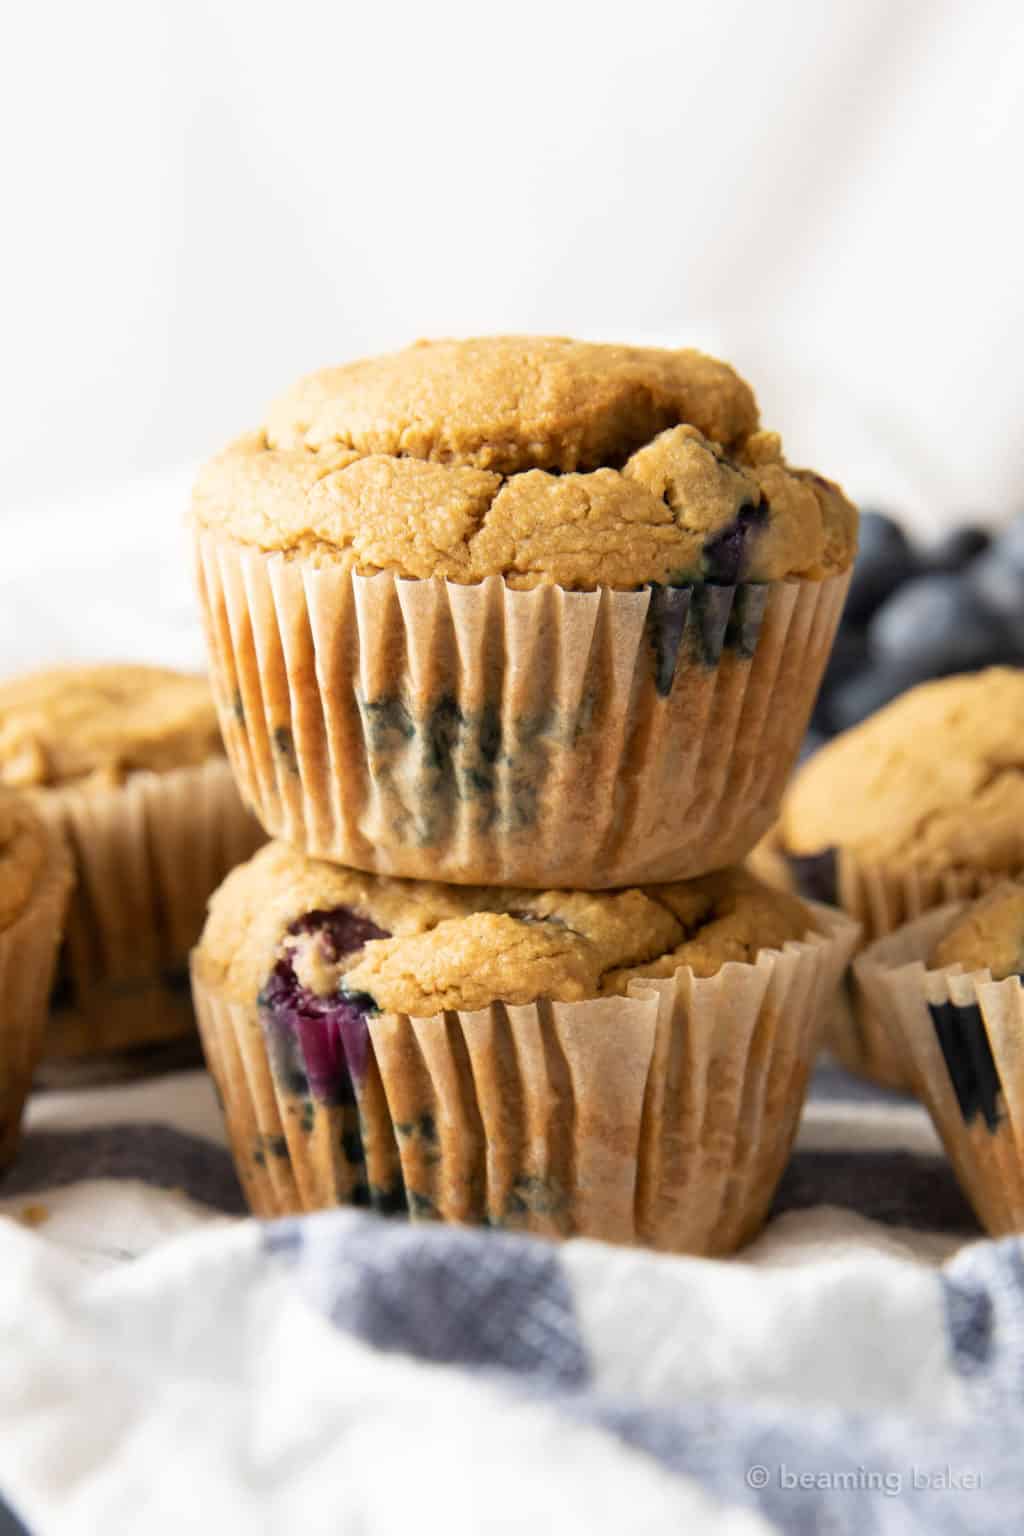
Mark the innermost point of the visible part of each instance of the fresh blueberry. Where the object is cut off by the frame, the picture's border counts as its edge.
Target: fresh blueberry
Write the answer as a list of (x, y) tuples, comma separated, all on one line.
[(885, 560), (956, 550), (998, 586), (868, 692), (1010, 543), (850, 655), (812, 742), (933, 625), (726, 555)]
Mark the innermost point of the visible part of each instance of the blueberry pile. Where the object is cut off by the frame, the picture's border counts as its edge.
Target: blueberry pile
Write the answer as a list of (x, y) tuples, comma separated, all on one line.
[(917, 613)]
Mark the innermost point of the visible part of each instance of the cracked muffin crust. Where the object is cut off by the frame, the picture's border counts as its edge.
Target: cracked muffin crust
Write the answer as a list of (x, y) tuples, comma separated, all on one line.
[(637, 1087), (989, 936), (93, 726), (418, 948), (519, 611), (934, 781), (537, 459), (126, 764)]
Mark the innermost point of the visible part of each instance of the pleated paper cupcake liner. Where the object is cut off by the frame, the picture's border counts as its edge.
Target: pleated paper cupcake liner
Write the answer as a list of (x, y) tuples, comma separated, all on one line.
[(962, 1035), (147, 855), (881, 898), (479, 734), (28, 957), (664, 1118)]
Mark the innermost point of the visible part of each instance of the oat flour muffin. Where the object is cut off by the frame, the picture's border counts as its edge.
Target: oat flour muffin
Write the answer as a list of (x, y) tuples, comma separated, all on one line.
[(628, 1065), (35, 879), (920, 805), (949, 987), (523, 610), (126, 763)]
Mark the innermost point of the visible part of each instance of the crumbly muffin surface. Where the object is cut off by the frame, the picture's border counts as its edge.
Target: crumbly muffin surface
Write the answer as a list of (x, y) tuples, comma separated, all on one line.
[(935, 780), (989, 935), (23, 850), (537, 459), (460, 947), (96, 725)]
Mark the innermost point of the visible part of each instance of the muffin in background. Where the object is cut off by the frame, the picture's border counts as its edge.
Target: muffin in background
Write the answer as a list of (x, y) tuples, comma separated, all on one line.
[(521, 609), (35, 880), (625, 1065), (127, 765), (948, 986), (921, 805)]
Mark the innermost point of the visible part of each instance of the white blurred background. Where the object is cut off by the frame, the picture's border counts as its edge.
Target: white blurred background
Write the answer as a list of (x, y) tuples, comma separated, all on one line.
[(203, 200)]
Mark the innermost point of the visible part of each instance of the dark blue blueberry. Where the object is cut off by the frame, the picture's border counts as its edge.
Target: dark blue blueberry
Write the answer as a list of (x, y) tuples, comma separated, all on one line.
[(868, 692), (812, 742), (666, 620), (850, 656), (935, 625), (711, 606), (998, 585), (1010, 542), (963, 1038), (956, 549), (320, 1044), (725, 556), (745, 619), (884, 562)]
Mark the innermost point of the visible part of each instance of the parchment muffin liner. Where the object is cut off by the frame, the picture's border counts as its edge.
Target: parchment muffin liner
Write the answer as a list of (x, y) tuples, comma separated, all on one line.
[(480, 734), (28, 958), (881, 898), (664, 1118), (147, 855), (962, 1035)]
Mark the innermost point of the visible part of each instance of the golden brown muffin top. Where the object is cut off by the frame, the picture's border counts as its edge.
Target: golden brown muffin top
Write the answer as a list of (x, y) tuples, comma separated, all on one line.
[(23, 849), (989, 935), (96, 725), (460, 947), (934, 780), (537, 459)]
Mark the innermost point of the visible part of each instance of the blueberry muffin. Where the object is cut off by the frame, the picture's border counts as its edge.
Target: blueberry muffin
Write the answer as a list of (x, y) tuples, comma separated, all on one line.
[(520, 610), (628, 1065), (921, 805), (35, 879), (126, 764), (949, 988)]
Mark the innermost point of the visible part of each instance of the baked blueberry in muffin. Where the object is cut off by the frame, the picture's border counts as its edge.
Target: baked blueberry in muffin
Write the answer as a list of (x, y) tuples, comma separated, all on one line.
[(453, 592), (531, 1058)]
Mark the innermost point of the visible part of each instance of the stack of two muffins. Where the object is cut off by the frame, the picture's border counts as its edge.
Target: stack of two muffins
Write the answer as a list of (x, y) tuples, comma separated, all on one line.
[(514, 643)]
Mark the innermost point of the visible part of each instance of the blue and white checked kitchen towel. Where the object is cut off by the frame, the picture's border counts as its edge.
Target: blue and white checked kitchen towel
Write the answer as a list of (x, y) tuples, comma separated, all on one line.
[(168, 1367), (859, 1369)]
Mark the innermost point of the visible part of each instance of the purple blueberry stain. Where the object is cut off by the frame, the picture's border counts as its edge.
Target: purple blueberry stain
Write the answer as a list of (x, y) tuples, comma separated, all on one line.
[(967, 1051), (666, 620), (319, 1044), (726, 555)]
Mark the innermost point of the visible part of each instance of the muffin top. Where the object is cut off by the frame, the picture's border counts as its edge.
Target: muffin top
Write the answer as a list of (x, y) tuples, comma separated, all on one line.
[(537, 459), (23, 850), (96, 725), (989, 936), (934, 780), (416, 947)]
